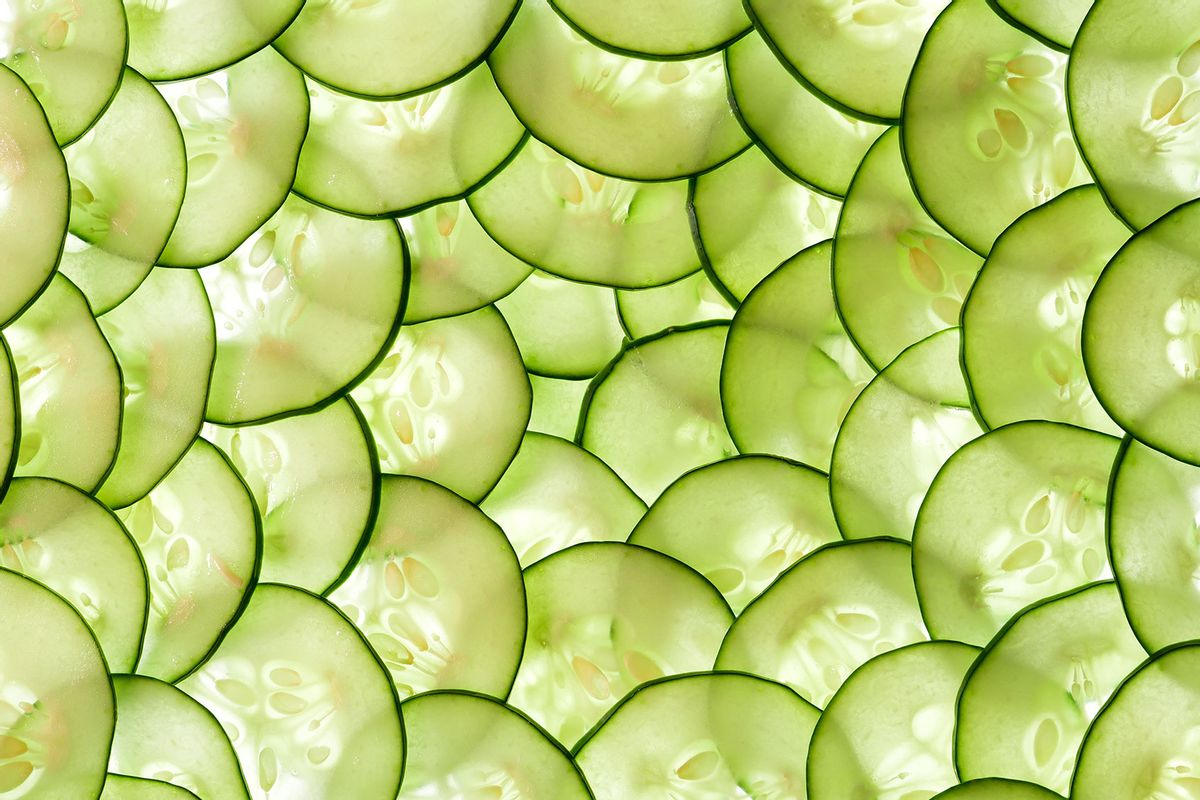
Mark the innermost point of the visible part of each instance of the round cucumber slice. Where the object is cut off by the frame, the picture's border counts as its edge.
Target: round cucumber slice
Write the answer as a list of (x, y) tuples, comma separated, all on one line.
[(1023, 320), (449, 402), (556, 494), (1055, 22), (470, 745), (645, 312), (123, 787), (741, 522), (306, 272), (655, 412), (1027, 702), (997, 789), (790, 372), (687, 737), (304, 700), (57, 710), (986, 107), (671, 29), (605, 617), (889, 730), (608, 111), (829, 613), (437, 592), (556, 405)]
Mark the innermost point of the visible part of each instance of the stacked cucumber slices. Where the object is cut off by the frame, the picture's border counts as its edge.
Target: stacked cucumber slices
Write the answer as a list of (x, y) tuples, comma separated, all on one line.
[(599, 399)]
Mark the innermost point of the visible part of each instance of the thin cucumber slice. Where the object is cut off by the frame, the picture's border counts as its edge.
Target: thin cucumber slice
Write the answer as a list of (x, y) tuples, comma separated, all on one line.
[(123, 787), (306, 272), (1053, 21), (605, 617), (389, 49), (163, 734), (1139, 335), (556, 494), (169, 41), (671, 29), (1013, 517), (127, 181), (455, 267), (1023, 320), (201, 539), (57, 712), (449, 402), (242, 128), (70, 389), (462, 744), (10, 416), (741, 522), (581, 225), (790, 372), (986, 107), (71, 54), (34, 204), (997, 789), (655, 411), (896, 436), (686, 737), (385, 157), (556, 405), (437, 592), (1027, 702), (607, 111), (60, 536), (832, 611), (897, 276), (889, 730), (314, 479), (164, 341), (858, 56), (750, 216), (645, 312), (564, 329), (304, 700), (805, 136)]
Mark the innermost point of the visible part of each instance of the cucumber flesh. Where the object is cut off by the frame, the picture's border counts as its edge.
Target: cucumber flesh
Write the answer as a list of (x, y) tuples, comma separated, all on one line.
[(668, 29), (1056, 22), (687, 301), (123, 787), (997, 789), (556, 405)]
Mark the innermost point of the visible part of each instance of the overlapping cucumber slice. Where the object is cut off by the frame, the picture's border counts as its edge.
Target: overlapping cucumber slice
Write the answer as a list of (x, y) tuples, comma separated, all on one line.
[(1056, 22), (671, 29), (123, 787), (691, 299)]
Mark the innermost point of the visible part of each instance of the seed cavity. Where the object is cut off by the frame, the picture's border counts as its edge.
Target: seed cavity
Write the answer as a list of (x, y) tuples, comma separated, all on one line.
[(700, 766), (1011, 128), (1038, 515), (236, 692), (1166, 95), (285, 676), (642, 667), (420, 577), (926, 270), (286, 703), (989, 142), (14, 774), (393, 580), (1024, 556), (1045, 741), (594, 682), (268, 769)]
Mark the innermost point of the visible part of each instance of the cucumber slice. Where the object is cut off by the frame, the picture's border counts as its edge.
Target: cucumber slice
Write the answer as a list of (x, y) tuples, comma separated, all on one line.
[(997, 789), (750, 216), (889, 730), (163, 734), (671, 29), (314, 479), (897, 276), (127, 180), (449, 402), (986, 107), (686, 737), (455, 267), (830, 612), (378, 158), (306, 272), (1023, 319), (60, 536), (900, 430), (581, 225), (805, 137), (169, 41), (564, 329), (389, 49), (34, 204), (1013, 517), (608, 111), (304, 700), (790, 372), (605, 617), (123, 787), (1055, 22), (57, 711), (70, 389), (10, 416), (242, 129), (470, 745), (858, 56), (1139, 340), (654, 412), (437, 592), (556, 494), (1028, 700), (556, 405), (741, 522), (164, 341), (201, 539), (645, 312)]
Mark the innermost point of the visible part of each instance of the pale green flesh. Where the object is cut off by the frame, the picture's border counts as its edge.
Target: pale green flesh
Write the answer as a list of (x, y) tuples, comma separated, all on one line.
[(645, 312), (123, 787), (671, 28), (10, 413), (1056, 21), (997, 789), (556, 405)]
